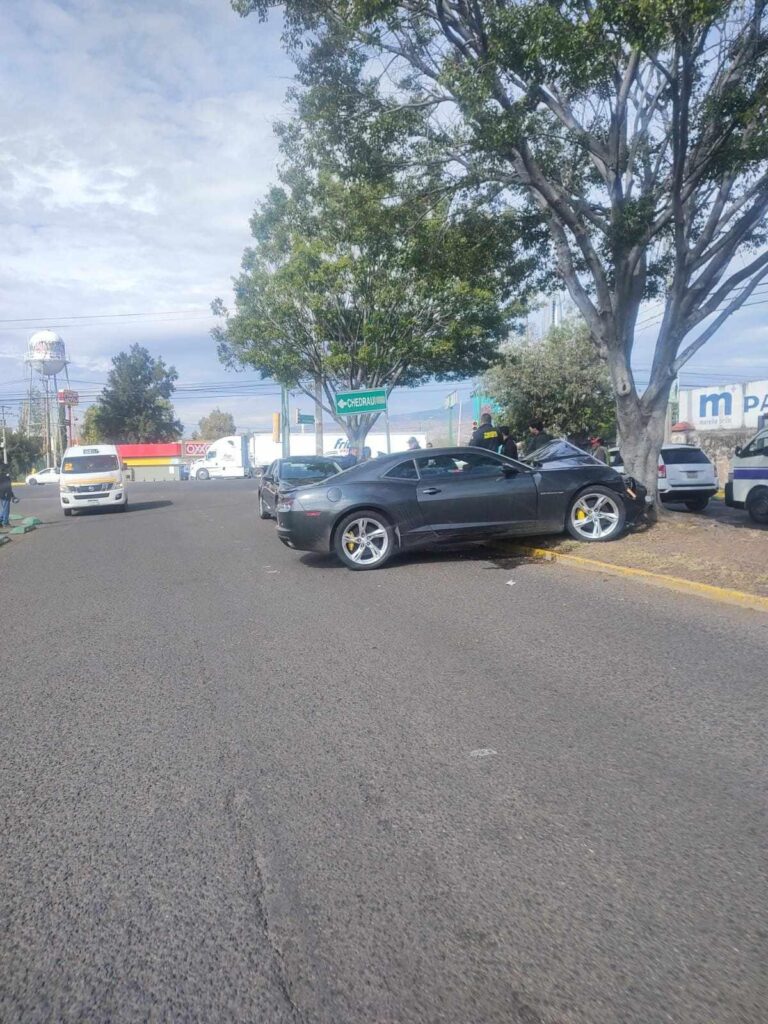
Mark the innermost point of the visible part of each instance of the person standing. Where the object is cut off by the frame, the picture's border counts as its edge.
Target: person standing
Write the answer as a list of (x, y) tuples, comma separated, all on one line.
[(486, 436), (539, 437), (6, 495), (413, 444), (507, 446), (598, 449)]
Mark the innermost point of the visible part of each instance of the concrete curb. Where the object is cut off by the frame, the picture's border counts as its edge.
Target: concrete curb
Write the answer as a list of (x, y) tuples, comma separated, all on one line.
[(722, 594)]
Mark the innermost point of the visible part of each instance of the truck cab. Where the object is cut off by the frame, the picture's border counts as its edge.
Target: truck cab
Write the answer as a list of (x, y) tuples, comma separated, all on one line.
[(747, 485), (227, 457)]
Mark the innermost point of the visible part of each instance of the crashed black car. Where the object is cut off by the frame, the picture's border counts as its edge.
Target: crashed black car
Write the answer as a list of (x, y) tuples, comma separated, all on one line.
[(286, 474), (397, 502)]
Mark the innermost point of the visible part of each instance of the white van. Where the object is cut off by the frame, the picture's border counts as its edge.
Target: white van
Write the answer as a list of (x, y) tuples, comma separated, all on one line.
[(747, 485), (92, 476)]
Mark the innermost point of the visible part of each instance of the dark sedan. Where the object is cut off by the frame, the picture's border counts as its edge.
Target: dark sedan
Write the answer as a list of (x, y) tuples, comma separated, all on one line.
[(403, 501), (285, 474)]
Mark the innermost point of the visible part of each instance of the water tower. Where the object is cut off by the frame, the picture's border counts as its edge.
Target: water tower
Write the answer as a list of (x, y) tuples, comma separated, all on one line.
[(46, 358)]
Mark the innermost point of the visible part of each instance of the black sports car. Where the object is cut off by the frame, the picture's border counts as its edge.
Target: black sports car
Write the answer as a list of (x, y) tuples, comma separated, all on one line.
[(285, 474), (396, 502)]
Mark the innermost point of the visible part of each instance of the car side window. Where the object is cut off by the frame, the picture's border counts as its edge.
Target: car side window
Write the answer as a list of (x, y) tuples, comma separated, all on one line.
[(272, 471), (474, 464), (403, 471)]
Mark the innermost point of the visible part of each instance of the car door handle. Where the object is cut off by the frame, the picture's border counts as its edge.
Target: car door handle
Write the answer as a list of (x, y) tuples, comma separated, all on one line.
[(430, 490)]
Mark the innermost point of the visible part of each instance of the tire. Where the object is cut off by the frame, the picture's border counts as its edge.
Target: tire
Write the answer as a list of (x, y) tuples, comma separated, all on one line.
[(264, 513), (202, 474), (123, 507), (757, 505), (378, 540), (597, 514), (697, 504), (67, 511), (33, 482)]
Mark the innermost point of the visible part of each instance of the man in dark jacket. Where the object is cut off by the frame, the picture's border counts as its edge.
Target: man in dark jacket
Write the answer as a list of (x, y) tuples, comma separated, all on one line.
[(486, 436), (6, 495), (508, 446), (539, 437)]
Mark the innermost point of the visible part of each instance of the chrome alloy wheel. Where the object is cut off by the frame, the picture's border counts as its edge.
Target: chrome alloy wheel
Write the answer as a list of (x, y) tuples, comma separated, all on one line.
[(365, 541), (595, 516)]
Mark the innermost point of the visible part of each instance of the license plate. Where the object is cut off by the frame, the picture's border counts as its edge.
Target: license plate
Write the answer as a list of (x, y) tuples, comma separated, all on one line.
[(691, 476), (93, 501)]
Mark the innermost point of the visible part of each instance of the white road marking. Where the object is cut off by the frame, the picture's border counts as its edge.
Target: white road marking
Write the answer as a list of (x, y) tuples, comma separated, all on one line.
[(482, 752)]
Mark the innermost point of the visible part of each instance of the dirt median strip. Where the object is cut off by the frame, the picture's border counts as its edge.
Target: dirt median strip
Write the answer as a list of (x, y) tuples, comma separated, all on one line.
[(725, 595)]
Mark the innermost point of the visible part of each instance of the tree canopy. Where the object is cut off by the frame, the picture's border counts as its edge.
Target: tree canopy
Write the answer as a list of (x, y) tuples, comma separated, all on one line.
[(364, 272), (216, 424), (135, 406), (24, 453), (634, 133), (559, 379)]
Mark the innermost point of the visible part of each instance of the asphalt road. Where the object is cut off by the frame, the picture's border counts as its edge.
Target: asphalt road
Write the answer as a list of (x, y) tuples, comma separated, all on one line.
[(240, 784)]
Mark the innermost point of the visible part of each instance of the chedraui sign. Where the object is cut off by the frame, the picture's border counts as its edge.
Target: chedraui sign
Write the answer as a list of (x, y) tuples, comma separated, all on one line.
[(725, 406)]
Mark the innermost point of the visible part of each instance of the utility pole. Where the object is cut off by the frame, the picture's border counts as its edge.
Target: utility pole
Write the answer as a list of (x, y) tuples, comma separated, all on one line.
[(286, 431), (319, 438), (5, 443)]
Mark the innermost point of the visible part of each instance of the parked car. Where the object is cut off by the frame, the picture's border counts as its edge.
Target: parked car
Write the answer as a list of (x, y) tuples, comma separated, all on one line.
[(45, 476), (429, 496), (686, 475), (747, 485), (287, 474)]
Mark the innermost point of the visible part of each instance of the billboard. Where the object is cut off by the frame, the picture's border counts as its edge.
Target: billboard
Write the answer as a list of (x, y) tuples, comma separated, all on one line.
[(725, 406)]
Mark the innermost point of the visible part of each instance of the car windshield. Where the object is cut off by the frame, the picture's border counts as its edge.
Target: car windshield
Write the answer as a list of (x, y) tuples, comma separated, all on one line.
[(309, 469), (556, 450), (681, 456), (90, 464)]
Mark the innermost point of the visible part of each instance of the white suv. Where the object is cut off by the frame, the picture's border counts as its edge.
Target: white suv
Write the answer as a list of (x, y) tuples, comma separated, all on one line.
[(686, 474)]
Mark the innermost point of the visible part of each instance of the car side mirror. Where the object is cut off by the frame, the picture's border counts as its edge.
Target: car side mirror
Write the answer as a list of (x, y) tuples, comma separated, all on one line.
[(737, 451)]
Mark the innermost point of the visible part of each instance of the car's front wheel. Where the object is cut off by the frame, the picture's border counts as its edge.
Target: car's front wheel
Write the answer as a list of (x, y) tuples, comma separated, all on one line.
[(364, 540), (697, 504), (264, 512), (32, 481), (757, 505), (597, 514), (202, 474), (67, 511)]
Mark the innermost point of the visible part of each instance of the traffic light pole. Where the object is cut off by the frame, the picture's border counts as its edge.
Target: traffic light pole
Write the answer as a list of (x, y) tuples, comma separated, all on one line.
[(286, 423)]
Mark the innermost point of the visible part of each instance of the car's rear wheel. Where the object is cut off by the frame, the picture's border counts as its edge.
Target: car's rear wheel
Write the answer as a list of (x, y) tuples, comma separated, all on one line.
[(697, 504), (364, 540), (264, 512), (597, 514), (757, 505)]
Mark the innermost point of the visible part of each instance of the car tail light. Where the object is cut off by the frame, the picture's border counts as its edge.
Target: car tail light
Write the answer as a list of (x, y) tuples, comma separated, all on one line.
[(662, 471), (285, 502)]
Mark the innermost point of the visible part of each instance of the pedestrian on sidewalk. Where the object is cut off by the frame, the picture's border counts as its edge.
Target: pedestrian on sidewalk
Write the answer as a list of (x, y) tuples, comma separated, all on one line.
[(6, 495), (598, 449), (486, 436), (507, 446)]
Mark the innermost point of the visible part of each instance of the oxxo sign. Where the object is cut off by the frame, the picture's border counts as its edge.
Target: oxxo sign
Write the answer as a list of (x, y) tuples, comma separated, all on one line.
[(195, 449), (353, 403), (727, 407)]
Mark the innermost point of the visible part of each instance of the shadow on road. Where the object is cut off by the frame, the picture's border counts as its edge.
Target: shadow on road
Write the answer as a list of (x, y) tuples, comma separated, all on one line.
[(423, 556), (133, 506)]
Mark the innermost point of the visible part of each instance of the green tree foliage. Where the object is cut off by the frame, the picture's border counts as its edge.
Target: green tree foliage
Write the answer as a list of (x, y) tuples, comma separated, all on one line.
[(89, 432), (24, 454), (135, 406), (560, 380), (363, 272), (635, 133), (216, 424)]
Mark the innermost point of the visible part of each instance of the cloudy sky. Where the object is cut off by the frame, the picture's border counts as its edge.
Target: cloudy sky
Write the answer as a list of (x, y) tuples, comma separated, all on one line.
[(136, 139)]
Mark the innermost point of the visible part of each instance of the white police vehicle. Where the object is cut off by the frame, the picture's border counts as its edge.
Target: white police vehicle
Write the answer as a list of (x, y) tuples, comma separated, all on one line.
[(747, 485)]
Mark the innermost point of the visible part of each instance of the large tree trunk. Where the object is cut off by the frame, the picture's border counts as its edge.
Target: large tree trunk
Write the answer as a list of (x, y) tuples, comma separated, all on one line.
[(641, 435)]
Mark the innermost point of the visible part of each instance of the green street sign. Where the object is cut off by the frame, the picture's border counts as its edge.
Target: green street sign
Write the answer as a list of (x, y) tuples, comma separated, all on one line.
[(305, 419), (352, 403)]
